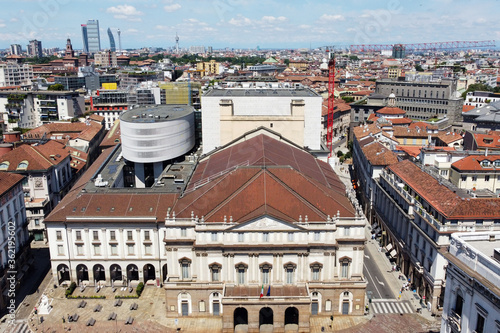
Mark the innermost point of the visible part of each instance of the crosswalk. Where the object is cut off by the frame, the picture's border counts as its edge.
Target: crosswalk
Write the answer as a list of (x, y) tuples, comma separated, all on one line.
[(18, 327), (391, 306)]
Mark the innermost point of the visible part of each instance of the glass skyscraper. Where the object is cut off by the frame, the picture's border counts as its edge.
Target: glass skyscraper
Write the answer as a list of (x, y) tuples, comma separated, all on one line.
[(112, 45), (85, 39), (93, 36)]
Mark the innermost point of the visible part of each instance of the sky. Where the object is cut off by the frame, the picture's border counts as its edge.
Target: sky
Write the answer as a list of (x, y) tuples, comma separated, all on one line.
[(248, 24)]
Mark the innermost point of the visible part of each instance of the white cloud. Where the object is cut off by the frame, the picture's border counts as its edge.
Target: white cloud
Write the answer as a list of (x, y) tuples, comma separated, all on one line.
[(125, 12), (132, 31), (14, 19), (172, 7), (326, 17), (272, 19), (240, 21)]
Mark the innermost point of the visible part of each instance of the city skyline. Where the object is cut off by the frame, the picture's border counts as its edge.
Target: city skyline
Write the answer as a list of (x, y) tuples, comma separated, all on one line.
[(248, 24)]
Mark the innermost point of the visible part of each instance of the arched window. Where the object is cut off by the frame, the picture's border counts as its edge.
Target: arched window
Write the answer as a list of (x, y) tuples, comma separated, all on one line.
[(23, 165), (4, 166)]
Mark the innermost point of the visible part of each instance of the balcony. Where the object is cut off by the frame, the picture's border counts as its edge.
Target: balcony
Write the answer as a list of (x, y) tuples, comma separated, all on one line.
[(36, 203), (454, 320)]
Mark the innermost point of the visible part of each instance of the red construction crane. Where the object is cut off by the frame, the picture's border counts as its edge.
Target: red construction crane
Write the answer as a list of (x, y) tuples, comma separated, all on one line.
[(438, 46), (331, 98)]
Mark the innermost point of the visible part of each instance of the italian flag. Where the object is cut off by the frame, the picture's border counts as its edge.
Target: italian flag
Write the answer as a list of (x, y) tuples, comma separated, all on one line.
[(262, 291)]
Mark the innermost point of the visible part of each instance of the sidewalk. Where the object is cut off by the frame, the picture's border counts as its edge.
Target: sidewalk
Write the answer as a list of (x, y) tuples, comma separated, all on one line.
[(382, 261)]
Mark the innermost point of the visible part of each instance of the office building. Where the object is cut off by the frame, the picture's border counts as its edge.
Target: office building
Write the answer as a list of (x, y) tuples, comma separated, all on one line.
[(93, 36), (85, 39), (12, 74), (112, 45)]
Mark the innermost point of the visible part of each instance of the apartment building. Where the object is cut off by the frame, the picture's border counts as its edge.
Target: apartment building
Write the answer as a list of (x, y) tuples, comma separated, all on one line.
[(14, 237), (12, 74)]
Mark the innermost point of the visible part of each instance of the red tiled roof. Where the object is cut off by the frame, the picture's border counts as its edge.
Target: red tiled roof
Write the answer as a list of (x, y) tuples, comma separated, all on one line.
[(391, 110), (40, 157), (263, 176), (473, 162), (422, 125), (410, 150), (444, 200), (8, 180), (467, 108), (400, 121), (490, 140), (378, 154)]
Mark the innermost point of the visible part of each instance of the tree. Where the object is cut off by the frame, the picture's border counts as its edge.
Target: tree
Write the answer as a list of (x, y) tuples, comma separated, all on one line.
[(56, 87), (348, 99), (340, 153), (419, 68)]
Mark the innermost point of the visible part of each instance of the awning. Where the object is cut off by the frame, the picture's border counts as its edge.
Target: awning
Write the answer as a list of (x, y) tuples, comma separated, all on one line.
[(393, 253), (388, 247)]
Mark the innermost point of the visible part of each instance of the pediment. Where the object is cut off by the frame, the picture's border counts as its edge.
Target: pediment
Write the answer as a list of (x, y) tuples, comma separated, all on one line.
[(266, 223)]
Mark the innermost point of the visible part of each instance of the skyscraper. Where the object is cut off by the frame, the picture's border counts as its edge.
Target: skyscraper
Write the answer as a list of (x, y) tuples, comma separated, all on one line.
[(112, 45), (35, 48), (85, 39), (93, 36)]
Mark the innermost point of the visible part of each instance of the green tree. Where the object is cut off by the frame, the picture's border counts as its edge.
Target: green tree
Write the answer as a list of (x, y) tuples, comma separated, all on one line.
[(56, 87), (419, 68), (348, 99)]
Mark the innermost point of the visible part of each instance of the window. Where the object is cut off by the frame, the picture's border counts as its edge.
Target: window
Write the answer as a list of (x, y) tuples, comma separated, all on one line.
[(58, 235), (112, 235), (289, 275), (146, 235), (474, 178), (185, 271), (215, 271), (130, 249), (241, 237), (240, 272), (315, 270), (97, 249), (114, 249), (344, 266), (290, 236), (345, 269), (79, 249), (147, 249), (316, 235), (183, 232), (60, 250), (185, 263), (95, 235), (347, 231), (486, 178), (214, 237), (129, 235), (241, 276), (265, 237), (444, 172), (480, 323), (37, 222)]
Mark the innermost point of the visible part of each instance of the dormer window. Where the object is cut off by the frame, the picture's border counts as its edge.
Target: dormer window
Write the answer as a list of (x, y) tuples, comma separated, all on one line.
[(23, 165), (485, 164), (4, 166)]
